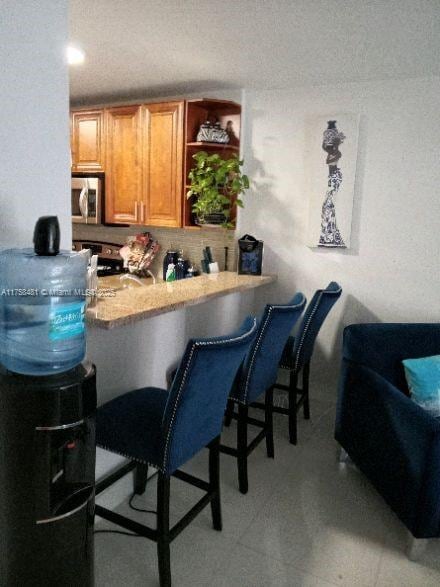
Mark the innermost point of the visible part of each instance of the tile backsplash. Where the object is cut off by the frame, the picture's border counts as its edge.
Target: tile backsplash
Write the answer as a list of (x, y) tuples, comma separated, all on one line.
[(191, 242)]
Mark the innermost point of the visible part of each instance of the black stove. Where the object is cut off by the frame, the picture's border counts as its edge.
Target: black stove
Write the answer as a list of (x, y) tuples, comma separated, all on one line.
[(110, 261)]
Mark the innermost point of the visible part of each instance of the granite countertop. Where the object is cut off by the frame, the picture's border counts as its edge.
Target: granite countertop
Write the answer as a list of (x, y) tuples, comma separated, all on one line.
[(134, 303)]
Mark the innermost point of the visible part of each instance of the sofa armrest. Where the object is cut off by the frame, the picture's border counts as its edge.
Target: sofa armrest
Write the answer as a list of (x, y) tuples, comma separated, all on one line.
[(382, 347), (394, 442)]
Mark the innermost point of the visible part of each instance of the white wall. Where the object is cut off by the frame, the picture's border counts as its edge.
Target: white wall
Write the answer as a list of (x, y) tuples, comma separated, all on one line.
[(34, 137), (392, 271)]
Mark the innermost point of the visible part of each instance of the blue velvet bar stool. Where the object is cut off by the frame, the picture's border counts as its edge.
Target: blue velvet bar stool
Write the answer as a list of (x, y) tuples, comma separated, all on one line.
[(257, 377), (298, 352), (152, 426)]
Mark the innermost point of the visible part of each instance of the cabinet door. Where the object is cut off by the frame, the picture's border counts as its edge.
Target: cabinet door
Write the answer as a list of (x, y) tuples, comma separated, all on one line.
[(163, 153), (123, 182), (88, 141)]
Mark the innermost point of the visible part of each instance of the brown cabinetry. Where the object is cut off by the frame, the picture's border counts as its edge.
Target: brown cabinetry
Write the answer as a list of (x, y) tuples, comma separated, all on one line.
[(123, 185), (146, 153), (87, 141), (163, 151)]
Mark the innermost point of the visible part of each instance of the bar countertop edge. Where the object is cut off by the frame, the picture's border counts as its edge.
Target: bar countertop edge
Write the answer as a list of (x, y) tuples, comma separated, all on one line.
[(126, 306)]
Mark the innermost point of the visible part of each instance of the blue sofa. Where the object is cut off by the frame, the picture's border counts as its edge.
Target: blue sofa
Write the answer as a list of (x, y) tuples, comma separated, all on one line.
[(393, 441)]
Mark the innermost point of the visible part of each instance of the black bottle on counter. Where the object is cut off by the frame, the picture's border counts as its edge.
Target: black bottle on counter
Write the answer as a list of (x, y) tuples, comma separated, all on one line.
[(181, 267)]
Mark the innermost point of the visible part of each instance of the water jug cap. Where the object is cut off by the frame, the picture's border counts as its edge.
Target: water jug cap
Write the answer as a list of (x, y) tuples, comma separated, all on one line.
[(47, 236)]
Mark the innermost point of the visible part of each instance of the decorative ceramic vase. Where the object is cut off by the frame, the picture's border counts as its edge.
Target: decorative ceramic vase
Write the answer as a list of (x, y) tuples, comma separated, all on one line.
[(212, 133)]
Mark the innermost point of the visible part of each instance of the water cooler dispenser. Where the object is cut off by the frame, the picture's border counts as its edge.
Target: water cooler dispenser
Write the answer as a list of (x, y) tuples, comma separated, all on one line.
[(47, 439), (47, 421)]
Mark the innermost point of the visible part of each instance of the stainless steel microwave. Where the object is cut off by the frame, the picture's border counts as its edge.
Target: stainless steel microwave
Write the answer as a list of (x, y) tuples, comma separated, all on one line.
[(87, 200)]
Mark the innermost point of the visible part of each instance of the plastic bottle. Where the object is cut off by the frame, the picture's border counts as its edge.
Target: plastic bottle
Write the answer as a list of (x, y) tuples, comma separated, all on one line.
[(171, 273), (42, 305)]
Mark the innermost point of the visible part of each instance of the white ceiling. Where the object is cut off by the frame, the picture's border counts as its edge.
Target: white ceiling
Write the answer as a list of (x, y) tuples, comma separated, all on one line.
[(153, 48)]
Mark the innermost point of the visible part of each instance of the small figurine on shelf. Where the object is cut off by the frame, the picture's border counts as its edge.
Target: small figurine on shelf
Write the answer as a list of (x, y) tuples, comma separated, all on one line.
[(233, 139)]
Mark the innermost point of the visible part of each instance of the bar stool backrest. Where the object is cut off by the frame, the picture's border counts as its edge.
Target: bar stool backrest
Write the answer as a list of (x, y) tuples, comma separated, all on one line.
[(320, 305), (260, 368), (198, 396)]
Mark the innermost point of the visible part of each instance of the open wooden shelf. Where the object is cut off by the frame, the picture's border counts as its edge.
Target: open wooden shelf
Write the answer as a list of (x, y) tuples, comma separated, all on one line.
[(226, 107), (192, 227), (206, 227), (213, 146), (197, 112)]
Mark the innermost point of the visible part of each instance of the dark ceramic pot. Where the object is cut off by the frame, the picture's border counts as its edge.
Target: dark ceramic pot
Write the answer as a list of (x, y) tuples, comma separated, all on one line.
[(218, 218)]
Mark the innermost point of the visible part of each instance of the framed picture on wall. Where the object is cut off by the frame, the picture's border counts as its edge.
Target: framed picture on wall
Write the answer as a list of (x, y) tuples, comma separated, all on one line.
[(332, 144)]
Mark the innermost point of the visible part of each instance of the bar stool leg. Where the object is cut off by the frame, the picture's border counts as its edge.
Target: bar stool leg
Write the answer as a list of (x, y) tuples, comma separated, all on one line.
[(214, 482), (163, 529), (268, 422), (228, 413), (140, 478), (242, 448), (292, 408), (306, 404)]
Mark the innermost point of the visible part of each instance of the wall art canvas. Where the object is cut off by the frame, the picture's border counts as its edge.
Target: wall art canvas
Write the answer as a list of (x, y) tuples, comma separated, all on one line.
[(332, 143)]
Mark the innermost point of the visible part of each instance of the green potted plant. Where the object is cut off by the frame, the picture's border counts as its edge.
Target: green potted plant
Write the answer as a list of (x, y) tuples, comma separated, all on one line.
[(214, 183)]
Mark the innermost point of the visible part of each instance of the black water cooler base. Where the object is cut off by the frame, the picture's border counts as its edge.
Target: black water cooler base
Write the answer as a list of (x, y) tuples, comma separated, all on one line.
[(47, 465)]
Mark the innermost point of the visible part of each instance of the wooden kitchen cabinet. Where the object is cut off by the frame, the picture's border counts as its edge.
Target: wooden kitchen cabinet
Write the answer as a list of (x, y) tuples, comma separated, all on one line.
[(87, 141), (163, 163), (146, 152), (124, 202)]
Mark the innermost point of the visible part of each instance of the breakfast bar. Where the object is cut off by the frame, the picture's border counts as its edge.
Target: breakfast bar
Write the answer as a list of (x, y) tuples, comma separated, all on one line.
[(137, 332), (126, 302)]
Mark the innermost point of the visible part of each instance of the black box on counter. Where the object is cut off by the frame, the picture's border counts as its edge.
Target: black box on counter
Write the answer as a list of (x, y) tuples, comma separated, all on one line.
[(250, 255)]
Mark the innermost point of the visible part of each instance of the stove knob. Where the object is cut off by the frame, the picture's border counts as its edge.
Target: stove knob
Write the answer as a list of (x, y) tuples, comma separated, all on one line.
[(108, 251)]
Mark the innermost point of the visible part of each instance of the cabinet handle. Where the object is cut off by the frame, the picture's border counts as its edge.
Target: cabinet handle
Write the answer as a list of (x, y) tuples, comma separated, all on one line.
[(142, 212), (136, 213)]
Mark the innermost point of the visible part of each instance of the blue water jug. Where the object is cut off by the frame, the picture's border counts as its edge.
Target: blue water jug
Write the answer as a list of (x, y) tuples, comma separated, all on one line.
[(42, 304)]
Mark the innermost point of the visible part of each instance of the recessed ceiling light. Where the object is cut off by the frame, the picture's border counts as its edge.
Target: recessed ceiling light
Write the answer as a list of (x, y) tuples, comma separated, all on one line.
[(75, 56)]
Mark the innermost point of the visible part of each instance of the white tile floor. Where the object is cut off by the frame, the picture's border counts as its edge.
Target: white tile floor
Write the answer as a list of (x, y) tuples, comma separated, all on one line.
[(307, 521)]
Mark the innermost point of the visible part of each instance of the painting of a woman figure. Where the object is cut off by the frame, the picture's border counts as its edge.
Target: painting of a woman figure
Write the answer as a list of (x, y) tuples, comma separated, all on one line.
[(330, 139), (330, 235)]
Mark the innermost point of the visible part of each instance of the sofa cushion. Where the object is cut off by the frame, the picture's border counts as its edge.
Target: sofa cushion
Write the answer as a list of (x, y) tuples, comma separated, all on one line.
[(423, 377)]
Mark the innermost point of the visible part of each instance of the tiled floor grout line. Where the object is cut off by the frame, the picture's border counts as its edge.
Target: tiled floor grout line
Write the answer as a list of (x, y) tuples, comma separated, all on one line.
[(288, 565)]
